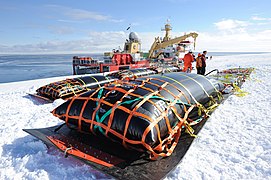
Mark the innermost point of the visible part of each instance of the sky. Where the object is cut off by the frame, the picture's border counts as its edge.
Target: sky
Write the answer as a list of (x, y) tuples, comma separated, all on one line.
[(85, 26)]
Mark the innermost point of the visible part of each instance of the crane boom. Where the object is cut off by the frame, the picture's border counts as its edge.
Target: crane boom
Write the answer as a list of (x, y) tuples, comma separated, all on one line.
[(157, 44)]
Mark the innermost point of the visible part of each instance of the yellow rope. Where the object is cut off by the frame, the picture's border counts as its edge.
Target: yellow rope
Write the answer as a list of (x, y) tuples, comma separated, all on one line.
[(201, 108), (239, 92), (82, 81), (196, 82), (72, 89), (183, 87), (189, 129)]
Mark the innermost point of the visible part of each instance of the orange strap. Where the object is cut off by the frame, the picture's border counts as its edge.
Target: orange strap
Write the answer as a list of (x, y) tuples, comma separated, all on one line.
[(166, 145)]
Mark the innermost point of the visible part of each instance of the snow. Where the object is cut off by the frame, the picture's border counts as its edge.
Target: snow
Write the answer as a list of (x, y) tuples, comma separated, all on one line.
[(234, 143)]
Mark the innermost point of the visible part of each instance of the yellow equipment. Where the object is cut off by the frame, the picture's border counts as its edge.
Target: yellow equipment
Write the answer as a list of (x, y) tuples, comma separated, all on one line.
[(167, 41)]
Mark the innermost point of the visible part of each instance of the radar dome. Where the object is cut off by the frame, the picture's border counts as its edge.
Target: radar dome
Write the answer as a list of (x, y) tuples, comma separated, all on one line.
[(133, 37)]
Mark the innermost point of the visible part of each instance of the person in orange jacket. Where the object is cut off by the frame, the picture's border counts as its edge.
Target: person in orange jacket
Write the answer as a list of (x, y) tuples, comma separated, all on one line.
[(188, 59), (199, 64)]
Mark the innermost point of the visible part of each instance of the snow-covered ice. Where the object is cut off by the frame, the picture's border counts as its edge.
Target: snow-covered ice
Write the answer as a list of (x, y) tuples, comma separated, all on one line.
[(235, 142)]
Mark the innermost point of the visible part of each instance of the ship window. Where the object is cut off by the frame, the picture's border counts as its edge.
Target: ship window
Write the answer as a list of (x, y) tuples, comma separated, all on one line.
[(105, 68), (127, 47), (124, 67)]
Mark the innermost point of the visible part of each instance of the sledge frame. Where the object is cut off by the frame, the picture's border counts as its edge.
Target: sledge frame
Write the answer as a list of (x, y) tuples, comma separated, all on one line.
[(39, 98), (128, 164), (131, 164)]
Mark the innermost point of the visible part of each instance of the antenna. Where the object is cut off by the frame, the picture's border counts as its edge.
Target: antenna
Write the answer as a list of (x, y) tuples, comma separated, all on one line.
[(129, 27)]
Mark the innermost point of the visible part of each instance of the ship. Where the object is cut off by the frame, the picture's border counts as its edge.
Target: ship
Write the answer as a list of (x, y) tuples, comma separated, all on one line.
[(164, 53)]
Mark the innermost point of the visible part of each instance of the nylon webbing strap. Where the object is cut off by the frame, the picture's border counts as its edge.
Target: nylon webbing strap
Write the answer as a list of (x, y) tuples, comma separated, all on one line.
[(67, 88), (212, 100), (97, 123), (194, 99), (196, 82), (62, 89), (145, 114)]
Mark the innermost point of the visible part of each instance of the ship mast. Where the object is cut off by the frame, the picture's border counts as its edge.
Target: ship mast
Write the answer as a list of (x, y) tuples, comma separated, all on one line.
[(167, 28)]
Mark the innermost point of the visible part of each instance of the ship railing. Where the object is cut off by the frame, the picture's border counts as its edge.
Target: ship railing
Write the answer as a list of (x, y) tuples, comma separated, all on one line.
[(85, 61)]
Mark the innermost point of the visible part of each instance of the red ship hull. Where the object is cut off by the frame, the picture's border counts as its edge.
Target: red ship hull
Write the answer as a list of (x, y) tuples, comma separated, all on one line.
[(119, 61)]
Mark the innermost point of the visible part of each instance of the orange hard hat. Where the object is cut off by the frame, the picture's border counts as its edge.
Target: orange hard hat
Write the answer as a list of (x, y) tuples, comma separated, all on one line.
[(199, 54)]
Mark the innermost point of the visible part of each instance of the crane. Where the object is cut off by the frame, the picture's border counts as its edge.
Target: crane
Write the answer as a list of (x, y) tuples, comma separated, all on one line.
[(167, 41)]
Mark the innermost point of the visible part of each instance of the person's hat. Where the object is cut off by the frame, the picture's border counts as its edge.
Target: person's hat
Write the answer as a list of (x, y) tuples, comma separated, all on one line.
[(199, 54)]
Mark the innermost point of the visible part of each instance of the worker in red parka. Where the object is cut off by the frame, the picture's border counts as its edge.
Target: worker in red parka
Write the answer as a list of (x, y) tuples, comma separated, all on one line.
[(188, 59)]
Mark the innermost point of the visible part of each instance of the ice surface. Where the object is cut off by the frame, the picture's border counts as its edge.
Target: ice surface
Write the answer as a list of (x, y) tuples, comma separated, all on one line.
[(235, 142)]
